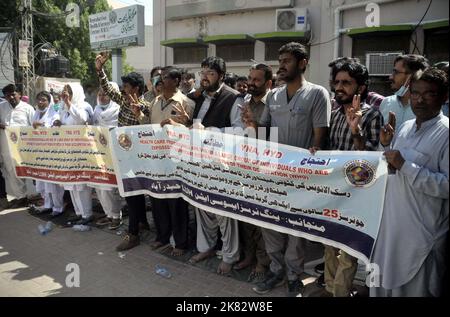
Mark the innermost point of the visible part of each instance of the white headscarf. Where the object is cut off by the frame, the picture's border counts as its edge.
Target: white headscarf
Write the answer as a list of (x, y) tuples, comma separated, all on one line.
[(107, 115), (78, 96), (49, 116)]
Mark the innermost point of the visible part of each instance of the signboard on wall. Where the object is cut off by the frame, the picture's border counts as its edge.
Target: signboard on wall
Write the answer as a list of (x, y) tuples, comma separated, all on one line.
[(118, 28), (181, 9)]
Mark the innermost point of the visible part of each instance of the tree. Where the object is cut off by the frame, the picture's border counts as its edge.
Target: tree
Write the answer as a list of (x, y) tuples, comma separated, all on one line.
[(50, 26)]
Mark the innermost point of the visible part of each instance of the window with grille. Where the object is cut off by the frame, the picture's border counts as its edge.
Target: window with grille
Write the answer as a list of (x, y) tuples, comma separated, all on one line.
[(189, 55), (236, 52)]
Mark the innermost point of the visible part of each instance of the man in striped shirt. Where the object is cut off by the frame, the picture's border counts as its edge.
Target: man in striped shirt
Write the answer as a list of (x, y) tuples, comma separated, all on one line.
[(355, 126), (133, 86)]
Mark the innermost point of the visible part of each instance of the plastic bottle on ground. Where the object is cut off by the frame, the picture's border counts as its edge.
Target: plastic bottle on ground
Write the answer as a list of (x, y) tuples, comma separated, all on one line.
[(44, 229), (162, 271), (81, 228)]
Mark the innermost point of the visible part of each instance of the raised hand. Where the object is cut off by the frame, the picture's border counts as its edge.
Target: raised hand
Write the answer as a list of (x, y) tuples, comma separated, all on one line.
[(354, 115), (133, 102), (247, 116), (388, 131), (66, 98), (100, 60), (182, 116)]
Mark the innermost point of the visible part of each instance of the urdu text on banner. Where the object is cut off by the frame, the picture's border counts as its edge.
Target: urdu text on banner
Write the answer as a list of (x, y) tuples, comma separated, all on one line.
[(333, 197), (68, 155)]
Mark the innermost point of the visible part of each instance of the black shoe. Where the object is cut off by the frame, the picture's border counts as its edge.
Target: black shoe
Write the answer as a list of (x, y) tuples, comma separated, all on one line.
[(321, 281), (19, 203), (272, 280), (320, 268), (85, 221), (295, 288)]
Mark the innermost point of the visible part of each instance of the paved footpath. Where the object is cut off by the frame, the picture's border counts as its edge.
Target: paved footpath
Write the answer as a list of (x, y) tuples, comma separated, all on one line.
[(35, 265)]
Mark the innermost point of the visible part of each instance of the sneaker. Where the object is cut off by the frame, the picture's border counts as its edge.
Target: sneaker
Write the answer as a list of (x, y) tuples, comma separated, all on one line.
[(115, 224), (129, 242), (295, 288), (320, 268), (272, 280), (106, 221)]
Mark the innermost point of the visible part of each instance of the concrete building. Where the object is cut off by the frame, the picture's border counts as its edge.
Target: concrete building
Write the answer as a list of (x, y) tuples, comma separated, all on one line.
[(244, 30)]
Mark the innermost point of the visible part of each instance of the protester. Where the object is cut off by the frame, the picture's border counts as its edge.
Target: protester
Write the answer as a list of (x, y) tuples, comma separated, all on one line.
[(133, 88), (405, 66), (77, 112), (410, 249), (355, 126), (188, 83), (218, 106), (14, 113), (106, 115), (171, 216), (253, 247), (301, 111), (154, 85), (53, 194)]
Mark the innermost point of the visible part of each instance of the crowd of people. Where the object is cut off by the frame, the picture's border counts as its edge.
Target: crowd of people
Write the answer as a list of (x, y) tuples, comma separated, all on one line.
[(410, 127)]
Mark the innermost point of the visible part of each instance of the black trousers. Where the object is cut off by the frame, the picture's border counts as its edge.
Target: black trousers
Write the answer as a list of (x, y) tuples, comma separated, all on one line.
[(171, 216), (2, 186), (136, 214)]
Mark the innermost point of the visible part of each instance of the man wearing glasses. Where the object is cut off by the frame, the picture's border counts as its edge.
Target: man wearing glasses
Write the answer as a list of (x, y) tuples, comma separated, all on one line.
[(410, 249), (218, 106), (405, 66)]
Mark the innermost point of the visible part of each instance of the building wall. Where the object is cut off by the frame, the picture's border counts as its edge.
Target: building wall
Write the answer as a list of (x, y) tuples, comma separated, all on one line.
[(322, 15), (141, 58)]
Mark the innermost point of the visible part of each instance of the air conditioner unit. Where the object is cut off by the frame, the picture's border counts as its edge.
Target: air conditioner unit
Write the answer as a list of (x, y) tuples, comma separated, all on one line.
[(292, 20), (381, 64)]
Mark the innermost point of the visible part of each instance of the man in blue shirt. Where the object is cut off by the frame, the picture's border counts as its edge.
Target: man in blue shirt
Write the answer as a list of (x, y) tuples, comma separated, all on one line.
[(404, 67)]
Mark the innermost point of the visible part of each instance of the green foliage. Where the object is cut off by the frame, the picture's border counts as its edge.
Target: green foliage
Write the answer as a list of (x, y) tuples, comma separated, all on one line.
[(73, 43)]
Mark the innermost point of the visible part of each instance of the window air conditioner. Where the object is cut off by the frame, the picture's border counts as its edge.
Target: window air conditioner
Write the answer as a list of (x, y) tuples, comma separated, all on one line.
[(381, 64), (292, 20)]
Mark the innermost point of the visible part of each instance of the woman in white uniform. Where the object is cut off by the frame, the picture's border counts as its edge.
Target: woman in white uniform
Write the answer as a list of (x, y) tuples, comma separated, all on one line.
[(77, 112), (52, 193), (105, 115)]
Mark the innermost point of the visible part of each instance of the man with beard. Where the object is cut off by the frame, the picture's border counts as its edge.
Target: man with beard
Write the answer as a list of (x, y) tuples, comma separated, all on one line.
[(218, 106), (355, 126), (405, 66), (301, 111), (259, 84), (13, 113), (410, 249)]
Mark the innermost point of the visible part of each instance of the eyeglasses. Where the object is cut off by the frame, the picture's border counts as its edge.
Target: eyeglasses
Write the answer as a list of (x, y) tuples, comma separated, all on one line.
[(427, 95), (396, 72)]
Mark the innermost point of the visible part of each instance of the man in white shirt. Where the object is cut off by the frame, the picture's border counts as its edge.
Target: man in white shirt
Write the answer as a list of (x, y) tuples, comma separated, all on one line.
[(14, 113)]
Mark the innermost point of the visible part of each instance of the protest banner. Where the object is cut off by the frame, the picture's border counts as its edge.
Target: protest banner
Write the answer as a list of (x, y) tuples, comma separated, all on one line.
[(333, 197), (68, 155)]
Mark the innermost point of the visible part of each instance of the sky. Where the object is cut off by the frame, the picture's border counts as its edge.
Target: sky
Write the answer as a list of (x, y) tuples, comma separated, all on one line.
[(148, 8)]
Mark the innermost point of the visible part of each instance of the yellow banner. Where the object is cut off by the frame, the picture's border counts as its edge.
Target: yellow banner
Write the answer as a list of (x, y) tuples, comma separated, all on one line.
[(67, 155)]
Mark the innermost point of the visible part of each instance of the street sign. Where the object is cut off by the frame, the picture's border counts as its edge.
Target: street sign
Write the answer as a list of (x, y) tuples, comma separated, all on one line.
[(118, 28)]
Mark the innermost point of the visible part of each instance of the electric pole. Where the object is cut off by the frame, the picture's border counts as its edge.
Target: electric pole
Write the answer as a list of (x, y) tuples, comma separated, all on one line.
[(27, 35)]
